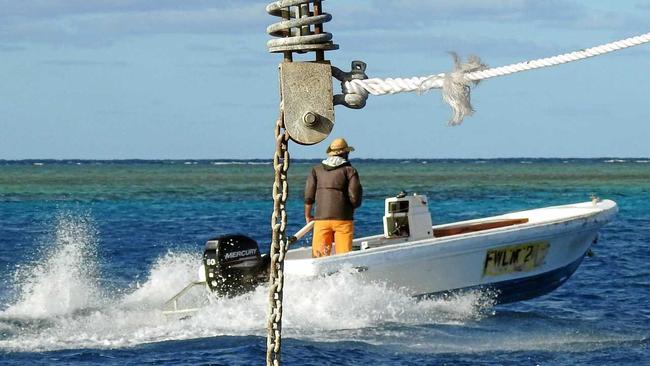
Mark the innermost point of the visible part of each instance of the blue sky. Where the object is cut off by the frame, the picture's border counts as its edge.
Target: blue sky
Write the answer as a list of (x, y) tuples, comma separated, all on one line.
[(109, 79)]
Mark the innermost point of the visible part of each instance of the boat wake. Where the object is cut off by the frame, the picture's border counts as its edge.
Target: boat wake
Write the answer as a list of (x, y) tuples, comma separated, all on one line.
[(58, 303)]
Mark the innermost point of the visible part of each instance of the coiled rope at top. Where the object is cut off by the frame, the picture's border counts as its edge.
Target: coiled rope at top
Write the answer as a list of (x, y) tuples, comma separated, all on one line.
[(295, 31), (456, 85)]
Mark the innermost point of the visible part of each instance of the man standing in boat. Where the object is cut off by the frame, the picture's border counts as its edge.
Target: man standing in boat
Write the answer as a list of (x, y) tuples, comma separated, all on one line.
[(335, 187)]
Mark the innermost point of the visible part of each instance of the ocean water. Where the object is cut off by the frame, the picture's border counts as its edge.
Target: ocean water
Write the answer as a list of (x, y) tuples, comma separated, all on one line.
[(90, 251)]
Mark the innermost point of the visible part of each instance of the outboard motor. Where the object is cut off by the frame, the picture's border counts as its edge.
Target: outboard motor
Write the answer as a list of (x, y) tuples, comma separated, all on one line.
[(233, 265)]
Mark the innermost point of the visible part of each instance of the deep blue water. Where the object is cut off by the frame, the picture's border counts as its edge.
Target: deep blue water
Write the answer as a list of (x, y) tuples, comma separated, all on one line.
[(90, 251)]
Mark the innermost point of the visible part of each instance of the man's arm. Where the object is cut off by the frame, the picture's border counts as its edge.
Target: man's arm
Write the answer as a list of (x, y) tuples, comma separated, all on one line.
[(355, 191)]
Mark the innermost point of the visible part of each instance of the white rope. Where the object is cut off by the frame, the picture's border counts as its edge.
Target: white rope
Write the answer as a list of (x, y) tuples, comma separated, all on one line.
[(560, 59), (463, 78)]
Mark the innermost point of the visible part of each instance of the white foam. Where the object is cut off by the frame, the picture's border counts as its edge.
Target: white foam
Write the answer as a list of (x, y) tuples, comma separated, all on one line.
[(169, 274), (343, 301)]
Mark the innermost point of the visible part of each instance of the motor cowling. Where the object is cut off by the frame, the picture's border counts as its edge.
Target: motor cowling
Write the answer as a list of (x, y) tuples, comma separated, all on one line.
[(233, 265)]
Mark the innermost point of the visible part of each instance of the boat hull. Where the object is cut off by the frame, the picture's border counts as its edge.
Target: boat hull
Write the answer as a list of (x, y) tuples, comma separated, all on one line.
[(519, 289)]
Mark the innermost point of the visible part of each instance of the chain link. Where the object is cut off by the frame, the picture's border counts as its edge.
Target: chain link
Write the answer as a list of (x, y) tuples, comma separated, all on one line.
[(278, 242)]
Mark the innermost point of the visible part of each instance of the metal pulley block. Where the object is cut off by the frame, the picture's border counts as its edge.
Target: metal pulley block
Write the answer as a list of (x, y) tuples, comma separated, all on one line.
[(306, 89)]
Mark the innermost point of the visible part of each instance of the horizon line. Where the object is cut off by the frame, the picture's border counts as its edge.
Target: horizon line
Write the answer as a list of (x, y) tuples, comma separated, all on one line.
[(319, 158)]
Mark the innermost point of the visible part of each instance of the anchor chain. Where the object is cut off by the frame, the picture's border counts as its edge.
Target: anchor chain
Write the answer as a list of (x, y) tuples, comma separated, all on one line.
[(279, 242)]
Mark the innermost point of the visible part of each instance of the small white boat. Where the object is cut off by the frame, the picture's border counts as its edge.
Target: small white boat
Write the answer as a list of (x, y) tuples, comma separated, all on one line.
[(519, 255)]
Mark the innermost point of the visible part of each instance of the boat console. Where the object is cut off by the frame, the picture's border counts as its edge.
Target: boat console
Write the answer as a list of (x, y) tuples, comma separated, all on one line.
[(407, 217)]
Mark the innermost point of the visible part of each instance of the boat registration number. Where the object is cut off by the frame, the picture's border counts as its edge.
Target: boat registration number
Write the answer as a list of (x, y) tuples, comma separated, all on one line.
[(515, 258)]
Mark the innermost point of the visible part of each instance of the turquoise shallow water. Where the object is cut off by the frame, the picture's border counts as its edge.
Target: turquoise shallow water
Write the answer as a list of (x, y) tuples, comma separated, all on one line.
[(89, 250)]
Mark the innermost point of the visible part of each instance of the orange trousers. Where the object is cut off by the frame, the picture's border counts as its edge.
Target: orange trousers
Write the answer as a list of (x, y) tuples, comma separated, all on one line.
[(327, 232)]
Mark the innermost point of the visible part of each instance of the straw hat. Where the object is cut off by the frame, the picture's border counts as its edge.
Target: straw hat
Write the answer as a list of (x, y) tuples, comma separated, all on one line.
[(339, 146)]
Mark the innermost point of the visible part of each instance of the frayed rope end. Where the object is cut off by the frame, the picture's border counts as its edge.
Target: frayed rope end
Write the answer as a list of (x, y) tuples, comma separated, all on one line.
[(456, 88)]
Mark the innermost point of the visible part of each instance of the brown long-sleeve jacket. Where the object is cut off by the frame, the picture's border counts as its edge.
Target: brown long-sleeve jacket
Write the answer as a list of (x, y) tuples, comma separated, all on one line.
[(337, 191)]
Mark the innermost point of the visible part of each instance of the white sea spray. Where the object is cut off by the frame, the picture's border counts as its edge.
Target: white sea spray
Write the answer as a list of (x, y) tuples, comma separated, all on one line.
[(62, 277)]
